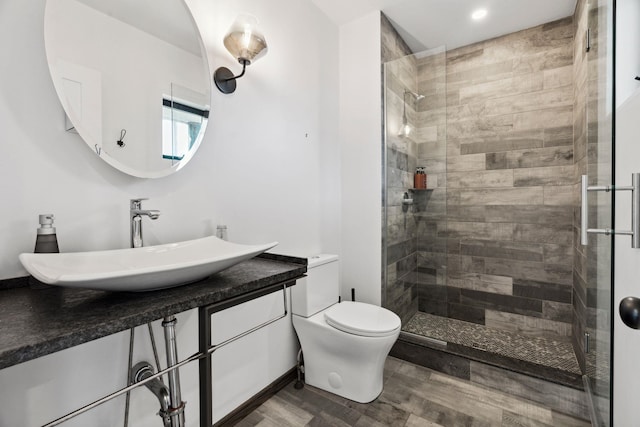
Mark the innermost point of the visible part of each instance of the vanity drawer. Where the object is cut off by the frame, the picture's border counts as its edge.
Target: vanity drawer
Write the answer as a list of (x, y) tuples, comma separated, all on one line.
[(242, 367), (230, 322)]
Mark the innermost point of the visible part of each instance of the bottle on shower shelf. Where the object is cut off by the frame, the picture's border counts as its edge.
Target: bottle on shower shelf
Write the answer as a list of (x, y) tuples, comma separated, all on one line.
[(420, 178)]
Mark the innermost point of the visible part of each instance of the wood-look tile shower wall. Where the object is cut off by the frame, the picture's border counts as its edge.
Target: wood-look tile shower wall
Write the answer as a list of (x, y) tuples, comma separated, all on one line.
[(510, 178)]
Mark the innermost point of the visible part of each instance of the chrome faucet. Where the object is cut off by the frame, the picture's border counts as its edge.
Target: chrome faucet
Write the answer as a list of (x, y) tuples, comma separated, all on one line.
[(136, 214)]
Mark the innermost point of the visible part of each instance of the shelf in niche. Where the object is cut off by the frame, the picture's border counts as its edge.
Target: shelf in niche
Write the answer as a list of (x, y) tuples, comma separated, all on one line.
[(421, 189)]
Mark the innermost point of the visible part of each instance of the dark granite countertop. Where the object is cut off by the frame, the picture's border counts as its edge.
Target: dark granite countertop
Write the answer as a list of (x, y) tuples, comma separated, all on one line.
[(34, 323)]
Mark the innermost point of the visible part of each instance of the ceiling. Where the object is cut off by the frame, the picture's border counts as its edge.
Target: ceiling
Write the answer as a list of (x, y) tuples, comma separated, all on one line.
[(425, 24)]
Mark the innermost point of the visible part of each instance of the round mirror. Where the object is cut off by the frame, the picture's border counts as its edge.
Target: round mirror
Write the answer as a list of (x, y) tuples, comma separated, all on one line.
[(133, 79)]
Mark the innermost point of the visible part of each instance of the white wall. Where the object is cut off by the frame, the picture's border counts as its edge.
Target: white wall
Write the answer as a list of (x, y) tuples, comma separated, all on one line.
[(267, 161), (268, 167), (627, 267), (360, 137), (627, 55), (627, 260)]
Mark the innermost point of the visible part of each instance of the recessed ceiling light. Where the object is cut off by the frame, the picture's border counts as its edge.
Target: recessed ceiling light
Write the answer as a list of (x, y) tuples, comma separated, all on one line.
[(479, 14)]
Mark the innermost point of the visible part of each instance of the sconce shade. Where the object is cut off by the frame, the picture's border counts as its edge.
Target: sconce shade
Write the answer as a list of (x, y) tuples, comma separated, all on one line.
[(245, 41), (405, 130)]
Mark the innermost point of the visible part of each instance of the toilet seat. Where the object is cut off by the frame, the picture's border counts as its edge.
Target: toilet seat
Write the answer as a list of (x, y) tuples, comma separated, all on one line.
[(362, 319)]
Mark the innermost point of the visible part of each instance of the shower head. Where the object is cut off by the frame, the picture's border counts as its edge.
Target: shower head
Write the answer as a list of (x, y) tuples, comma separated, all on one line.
[(416, 96)]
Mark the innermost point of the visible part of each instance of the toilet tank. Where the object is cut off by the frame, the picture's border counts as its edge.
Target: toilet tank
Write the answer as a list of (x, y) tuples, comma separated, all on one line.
[(320, 289)]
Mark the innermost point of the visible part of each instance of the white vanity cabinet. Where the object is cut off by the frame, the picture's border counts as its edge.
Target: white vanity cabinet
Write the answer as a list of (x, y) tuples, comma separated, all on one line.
[(241, 369)]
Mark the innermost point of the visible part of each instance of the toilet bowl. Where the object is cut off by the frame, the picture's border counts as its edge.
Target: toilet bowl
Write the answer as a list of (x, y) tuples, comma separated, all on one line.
[(344, 344)]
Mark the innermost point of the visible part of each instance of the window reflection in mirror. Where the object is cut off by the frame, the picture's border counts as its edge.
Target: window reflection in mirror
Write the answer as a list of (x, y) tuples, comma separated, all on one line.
[(181, 124)]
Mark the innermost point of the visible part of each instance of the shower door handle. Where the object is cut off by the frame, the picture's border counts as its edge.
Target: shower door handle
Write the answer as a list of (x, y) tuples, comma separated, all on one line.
[(635, 210)]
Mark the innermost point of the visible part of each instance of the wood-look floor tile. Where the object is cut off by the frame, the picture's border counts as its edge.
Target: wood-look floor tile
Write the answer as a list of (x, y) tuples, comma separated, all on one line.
[(559, 420), (366, 421), (514, 420), (269, 423), (451, 398), (415, 421), (283, 413), (387, 413), (311, 401), (251, 420), (324, 419), (495, 398), (445, 416), (553, 396), (404, 393), (392, 365), (569, 421), (412, 371), (413, 396)]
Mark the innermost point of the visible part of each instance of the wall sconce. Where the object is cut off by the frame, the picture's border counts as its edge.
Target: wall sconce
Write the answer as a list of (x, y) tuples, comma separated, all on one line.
[(246, 43), (406, 128)]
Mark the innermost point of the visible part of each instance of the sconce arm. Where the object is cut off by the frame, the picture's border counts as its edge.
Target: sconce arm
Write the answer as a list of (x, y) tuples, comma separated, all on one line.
[(244, 63), (225, 80)]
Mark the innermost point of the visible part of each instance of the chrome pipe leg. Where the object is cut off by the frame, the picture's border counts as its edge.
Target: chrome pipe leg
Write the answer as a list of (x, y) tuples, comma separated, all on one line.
[(129, 377), (171, 345)]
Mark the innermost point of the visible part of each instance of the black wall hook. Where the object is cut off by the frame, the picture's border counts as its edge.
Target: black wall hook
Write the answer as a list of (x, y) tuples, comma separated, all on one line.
[(120, 142)]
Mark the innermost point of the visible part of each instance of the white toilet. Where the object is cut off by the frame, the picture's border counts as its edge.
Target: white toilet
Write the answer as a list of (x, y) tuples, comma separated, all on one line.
[(344, 344)]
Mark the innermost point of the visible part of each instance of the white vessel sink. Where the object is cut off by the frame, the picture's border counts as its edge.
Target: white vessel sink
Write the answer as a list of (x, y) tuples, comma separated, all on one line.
[(140, 269)]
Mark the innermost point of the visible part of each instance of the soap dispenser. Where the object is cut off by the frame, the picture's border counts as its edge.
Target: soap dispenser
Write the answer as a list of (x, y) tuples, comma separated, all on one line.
[(46, 240)]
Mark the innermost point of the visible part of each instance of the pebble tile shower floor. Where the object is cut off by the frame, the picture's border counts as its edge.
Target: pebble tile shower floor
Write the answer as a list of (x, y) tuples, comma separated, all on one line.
[(537, 350)]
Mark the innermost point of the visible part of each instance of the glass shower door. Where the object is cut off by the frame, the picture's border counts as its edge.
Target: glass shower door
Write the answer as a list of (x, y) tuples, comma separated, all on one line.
[(595, 259), (414, 250)]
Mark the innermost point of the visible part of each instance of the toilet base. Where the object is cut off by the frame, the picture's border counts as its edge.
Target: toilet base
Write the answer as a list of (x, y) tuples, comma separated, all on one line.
[(337, 382), (344, 364)]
